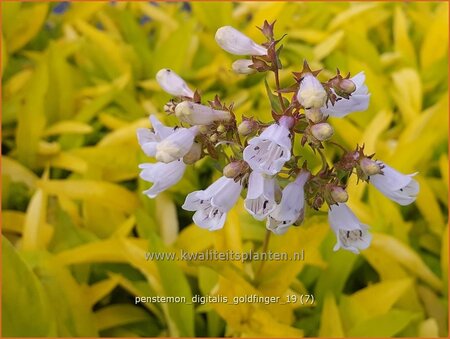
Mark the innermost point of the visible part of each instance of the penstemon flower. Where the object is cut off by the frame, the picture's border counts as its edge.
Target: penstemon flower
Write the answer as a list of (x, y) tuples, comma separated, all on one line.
[(260, 201), (235, 42), (291, 207), (176, 145), (358, 101), (242, 66), (148, 140), (162, 175), (196, 114), (211, 205), (268, 152), (401, 188), (351, 234), (259, 156), (173, 84)]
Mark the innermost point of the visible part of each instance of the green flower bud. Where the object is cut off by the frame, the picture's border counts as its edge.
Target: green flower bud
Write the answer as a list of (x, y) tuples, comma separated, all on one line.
[(247, 127), (338, 194), (347, 86), (322, 131), (369, 166), (194, 154), (314, 114), (235, 168)]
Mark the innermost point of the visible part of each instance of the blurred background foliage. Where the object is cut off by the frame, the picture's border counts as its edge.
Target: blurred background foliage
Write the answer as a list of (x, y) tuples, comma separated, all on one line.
[(78, 79)]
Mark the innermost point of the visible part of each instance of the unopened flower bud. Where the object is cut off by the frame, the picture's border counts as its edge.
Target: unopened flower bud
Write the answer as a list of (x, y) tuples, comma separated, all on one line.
[(221, 128), (347, 86), (322, 131), (369, 166), (172, 83), (314, 114), (235, 168), (197, 114), (338, 194), (194, 154), (311, 93), (317, 202), (235, 42), (247, 127), (213, 138), (241, 66)]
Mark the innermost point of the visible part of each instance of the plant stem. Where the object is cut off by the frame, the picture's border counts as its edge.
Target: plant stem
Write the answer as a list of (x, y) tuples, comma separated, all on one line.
[(336, 144), (324, 160), (264, 250), (277, 83)]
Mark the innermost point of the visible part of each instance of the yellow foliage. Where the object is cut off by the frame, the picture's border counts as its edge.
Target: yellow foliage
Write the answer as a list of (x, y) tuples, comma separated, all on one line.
[(78, 80)]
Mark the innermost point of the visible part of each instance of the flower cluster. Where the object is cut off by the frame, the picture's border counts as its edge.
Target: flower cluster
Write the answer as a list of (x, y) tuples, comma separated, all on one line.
[(278, 183)]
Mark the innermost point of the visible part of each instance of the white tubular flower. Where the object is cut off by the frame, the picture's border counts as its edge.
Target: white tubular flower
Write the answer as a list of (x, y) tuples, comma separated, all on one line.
[(401, 188), (211, 205), (241, 66), (235, 42), (358, 101), (176, 145), (291, 206), (173, 84), (161, 175), (351, 234), (260, 199), (311, 93), (148, 140), (268, 152), (196, 114)]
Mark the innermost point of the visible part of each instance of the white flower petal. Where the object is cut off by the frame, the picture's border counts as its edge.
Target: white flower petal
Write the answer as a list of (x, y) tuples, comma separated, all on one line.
[(212, 204), (228, 196), (268, 152), (196, 114), (241, 66), (351, 234), (358, 101), (176, 145), (161, 175), (260, 200), (255, 185), (203, 219), (278, 227), (291, 206), (161, 131), (172, 83), (398, 187), (235, 42)]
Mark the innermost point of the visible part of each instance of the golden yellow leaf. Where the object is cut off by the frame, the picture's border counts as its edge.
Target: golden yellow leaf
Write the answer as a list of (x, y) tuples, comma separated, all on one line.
[(330, 321), (407, 258), (104, 193), (435, 44), (67, 127)]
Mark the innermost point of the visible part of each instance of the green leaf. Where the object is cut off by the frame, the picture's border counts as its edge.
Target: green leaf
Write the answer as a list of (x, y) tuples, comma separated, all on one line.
[(174, 283), (330, 323), (119, 315), (75, 318), (383, 326), (26, 310)]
